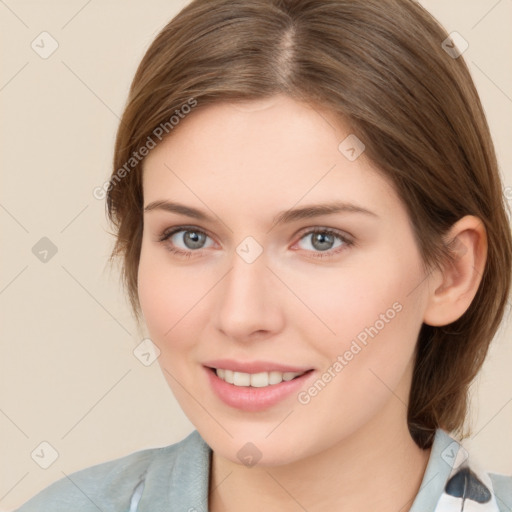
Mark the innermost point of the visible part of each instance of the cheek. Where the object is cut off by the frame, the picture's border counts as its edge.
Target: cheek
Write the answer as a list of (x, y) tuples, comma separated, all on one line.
[(377, 327), (369, 314), (167, 296), (339, 304)]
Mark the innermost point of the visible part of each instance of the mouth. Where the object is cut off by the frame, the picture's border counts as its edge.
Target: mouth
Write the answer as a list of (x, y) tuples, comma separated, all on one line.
[(255, 380), (255, 392)]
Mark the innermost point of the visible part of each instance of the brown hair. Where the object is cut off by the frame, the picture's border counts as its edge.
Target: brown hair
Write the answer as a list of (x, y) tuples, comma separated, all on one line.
[(381, 65)]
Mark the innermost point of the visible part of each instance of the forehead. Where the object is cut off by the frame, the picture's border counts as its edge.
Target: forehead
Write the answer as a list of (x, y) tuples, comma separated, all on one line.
[(263, 152)]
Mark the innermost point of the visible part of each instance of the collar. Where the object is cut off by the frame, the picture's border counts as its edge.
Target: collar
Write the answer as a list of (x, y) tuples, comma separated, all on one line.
[(451, 483), (454, 481)]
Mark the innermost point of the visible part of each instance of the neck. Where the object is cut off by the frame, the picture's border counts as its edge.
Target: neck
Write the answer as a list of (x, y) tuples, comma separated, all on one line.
[(378, 467)]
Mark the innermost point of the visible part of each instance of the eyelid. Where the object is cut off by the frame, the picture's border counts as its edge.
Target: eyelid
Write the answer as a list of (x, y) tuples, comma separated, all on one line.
[(323, 229), (171, 231)]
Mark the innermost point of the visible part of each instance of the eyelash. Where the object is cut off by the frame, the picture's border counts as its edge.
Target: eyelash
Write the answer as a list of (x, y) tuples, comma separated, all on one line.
[(166, 235)]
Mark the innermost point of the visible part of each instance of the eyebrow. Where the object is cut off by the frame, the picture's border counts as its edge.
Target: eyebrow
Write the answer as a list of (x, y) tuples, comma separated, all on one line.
[(305, 212)]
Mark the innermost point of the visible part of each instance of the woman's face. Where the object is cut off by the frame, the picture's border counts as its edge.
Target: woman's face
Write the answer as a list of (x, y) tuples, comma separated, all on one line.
[(337, 295)]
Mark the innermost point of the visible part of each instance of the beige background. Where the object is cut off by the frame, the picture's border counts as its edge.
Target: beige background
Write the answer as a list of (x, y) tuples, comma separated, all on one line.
[(68, 374)]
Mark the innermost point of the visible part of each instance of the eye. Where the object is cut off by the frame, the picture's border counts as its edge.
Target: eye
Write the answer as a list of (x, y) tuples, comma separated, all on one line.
[(323, 240), (184, 240)]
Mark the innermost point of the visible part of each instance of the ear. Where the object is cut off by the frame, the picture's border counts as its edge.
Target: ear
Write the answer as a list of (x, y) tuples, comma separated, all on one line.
[(452, 289)]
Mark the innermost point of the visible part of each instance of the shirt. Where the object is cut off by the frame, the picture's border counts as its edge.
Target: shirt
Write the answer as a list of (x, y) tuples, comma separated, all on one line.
[(176, 478)]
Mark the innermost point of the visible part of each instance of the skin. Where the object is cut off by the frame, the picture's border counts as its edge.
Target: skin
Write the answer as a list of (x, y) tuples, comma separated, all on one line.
[(242, 163)]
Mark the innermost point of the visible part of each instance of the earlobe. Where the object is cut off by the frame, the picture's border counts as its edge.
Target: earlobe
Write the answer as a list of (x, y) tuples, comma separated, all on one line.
[(452, 289)]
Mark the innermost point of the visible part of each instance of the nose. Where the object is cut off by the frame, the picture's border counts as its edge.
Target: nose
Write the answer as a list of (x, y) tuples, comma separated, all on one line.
[(249, 301)]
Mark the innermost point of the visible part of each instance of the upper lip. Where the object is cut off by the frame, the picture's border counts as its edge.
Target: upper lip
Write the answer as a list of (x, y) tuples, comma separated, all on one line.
[(254, 366)]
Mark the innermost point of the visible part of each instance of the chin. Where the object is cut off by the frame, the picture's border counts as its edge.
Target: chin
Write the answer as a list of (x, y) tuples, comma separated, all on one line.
[(254, 447)]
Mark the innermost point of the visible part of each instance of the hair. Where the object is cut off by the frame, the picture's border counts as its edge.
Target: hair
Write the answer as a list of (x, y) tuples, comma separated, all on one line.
[(381, 66)]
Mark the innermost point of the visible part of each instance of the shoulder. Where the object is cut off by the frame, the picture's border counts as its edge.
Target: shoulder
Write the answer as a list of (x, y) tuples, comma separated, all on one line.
[(502, 487), (108, 486)]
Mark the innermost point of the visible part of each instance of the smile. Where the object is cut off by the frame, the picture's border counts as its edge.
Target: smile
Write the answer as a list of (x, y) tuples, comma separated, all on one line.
[(253, 392), (255, 380)]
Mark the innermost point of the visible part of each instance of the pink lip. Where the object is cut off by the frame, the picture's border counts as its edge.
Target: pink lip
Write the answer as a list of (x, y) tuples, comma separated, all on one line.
[(251, 399), (254, 366)]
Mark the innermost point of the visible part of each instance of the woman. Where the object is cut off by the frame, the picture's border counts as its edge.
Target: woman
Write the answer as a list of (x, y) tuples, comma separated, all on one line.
[(312, 227)]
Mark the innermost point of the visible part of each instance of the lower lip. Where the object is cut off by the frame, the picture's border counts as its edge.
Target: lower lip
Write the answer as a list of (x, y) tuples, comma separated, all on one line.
[(250, 399)]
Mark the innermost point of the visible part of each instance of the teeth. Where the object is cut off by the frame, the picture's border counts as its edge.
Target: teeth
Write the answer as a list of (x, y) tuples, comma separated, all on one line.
[(256, 380)]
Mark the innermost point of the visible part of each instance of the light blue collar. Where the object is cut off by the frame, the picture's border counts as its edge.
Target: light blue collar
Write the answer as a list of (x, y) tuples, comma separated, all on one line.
[(450, 483)]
